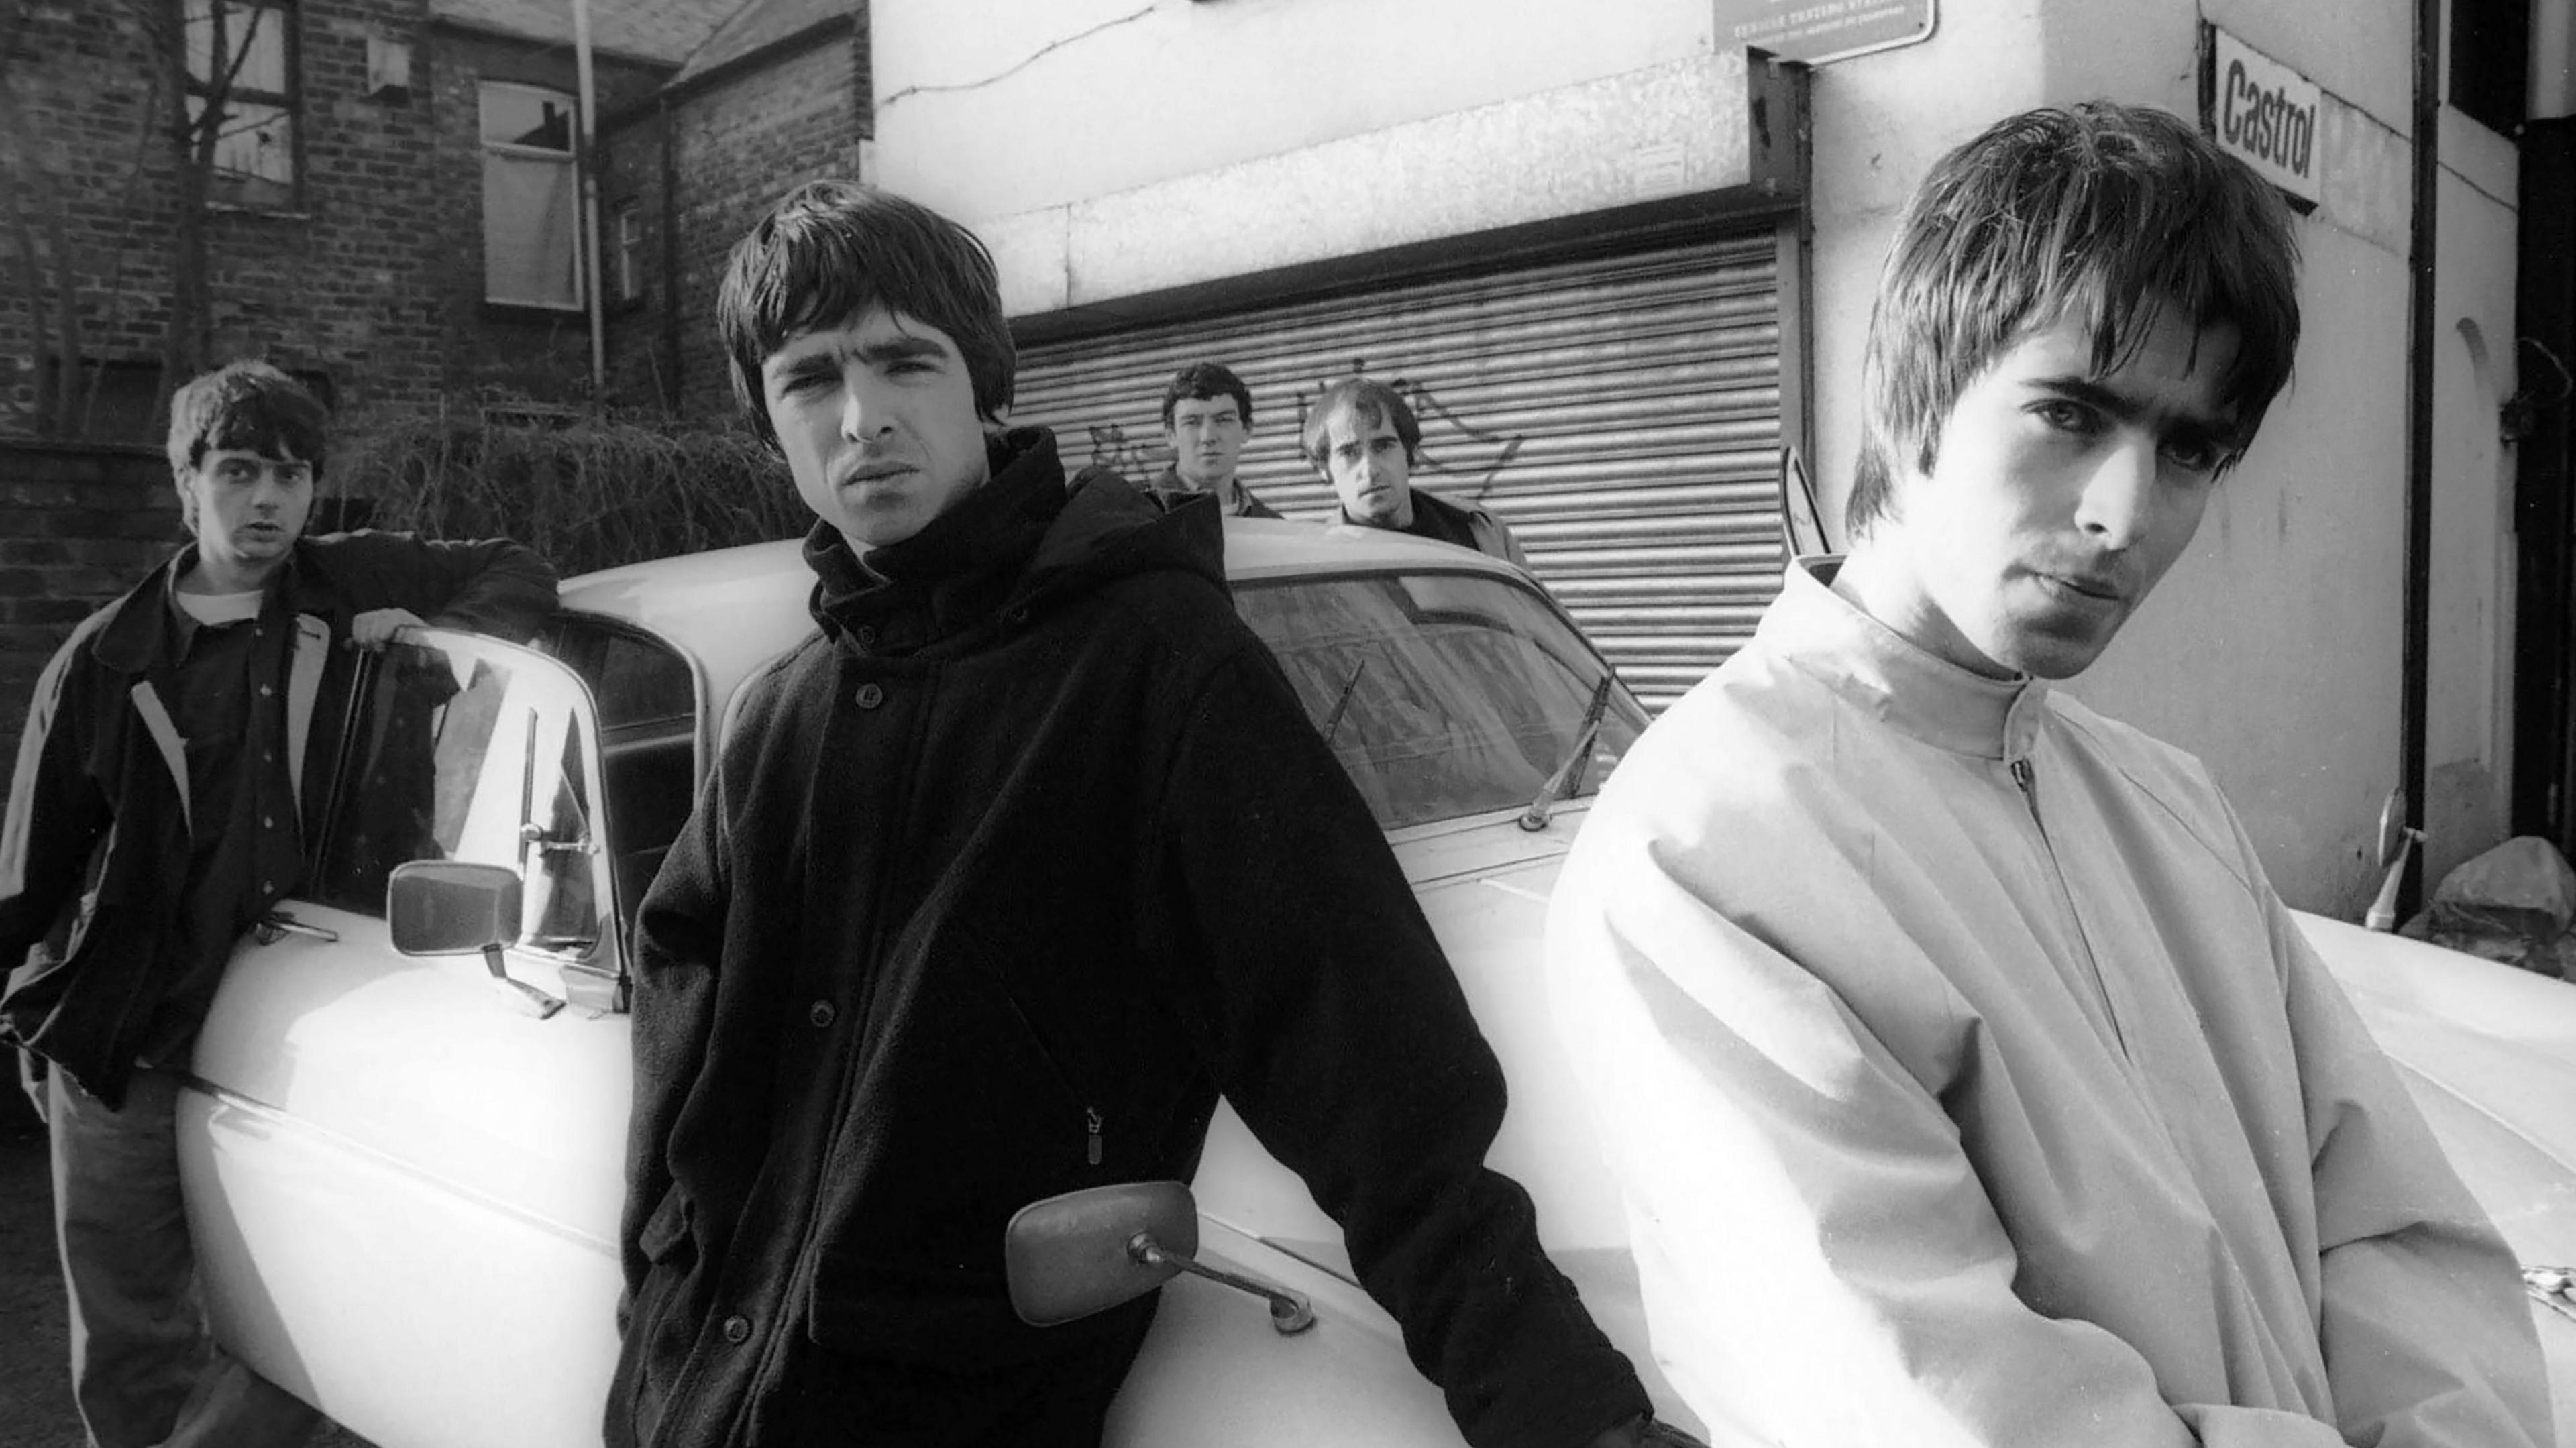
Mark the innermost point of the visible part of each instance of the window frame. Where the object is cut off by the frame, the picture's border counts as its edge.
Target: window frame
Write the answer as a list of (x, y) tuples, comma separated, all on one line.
[(605, 959), (289, 102), (582, 641), (630, 241), (569, 157)]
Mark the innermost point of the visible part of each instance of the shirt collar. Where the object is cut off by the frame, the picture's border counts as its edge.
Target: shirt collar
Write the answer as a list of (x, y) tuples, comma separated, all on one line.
[(183, 624), (1890, 677)]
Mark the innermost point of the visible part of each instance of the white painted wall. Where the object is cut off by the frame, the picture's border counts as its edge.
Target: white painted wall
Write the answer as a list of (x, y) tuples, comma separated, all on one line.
[(2273, 651), (982, 119)]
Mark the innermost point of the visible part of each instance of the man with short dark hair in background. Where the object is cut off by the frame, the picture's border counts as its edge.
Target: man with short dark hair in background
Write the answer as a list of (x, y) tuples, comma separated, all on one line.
[(1966, 1079), (1207, 418), (1363, 438), (176, 752), (996, 883)]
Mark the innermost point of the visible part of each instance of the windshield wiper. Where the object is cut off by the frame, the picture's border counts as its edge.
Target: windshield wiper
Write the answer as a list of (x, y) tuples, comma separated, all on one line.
[(1333, 721), (1568, 777)]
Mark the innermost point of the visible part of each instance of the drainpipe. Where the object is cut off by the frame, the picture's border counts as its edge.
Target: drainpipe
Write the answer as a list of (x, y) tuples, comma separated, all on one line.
[(2414, 660), (670, 259), (589, 165)]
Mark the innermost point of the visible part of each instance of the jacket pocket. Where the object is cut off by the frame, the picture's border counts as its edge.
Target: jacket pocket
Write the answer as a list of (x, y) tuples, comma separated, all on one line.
[(910, 1312), (667, 1228)]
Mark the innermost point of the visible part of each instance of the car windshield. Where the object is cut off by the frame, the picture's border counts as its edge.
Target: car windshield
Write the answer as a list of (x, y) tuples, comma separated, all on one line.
[(1443, 694)]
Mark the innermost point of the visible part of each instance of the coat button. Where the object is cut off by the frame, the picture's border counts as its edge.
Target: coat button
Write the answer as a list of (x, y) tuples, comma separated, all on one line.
[(737, 1328), (870, 696), (866, 635), (820, 1013)]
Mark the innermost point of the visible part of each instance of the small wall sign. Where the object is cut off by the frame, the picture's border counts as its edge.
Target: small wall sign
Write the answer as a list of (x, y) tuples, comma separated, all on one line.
[(2265, 113), (1817, 31)]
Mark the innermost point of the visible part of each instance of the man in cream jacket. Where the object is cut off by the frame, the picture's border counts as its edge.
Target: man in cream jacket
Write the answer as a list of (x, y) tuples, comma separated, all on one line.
[(1967, 1081)]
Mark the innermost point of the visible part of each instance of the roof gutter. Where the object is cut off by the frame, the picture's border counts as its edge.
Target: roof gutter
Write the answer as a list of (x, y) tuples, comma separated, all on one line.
[(489, 31), (758, 55)]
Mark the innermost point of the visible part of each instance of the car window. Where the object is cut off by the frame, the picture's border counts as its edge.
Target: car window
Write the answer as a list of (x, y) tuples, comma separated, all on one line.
[(648, 714), (639, 680), (470, 749), (1443, 694)]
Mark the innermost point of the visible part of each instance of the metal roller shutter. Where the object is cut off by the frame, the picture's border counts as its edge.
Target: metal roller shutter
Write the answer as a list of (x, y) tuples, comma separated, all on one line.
[(1621, 413)]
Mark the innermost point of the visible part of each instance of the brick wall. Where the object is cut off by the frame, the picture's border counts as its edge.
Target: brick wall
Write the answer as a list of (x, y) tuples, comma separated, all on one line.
[(640, 368), (539, 353), (336, 284), (740, 142), (373, 278), (78, 525)]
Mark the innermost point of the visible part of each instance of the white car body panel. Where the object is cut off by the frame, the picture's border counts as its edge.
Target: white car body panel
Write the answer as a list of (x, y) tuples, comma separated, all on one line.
[(398, 1167), (406, 1192)]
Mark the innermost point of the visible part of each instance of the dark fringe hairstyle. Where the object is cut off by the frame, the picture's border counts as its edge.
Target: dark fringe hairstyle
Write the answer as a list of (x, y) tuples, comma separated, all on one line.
[(251, 407), (1372, 402), (2101, 212), (830, 252), (1205, 381)]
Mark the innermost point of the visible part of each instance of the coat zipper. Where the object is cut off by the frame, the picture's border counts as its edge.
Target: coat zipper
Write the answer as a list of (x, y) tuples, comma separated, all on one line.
[(2026, 780), (1091, 1117)]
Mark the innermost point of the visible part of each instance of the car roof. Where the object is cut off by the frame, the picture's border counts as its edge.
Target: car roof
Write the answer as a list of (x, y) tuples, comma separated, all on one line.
[(731, 609)]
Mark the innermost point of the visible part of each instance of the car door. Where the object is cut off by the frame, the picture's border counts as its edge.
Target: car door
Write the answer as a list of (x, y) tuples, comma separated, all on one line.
[(403, 1180)]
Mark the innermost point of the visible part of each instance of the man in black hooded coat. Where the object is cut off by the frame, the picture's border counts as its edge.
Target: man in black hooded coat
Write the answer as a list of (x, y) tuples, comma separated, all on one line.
[(998, 882)]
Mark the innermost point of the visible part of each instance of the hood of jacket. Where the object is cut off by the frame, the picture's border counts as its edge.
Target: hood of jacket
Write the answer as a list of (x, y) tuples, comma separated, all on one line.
[(1026, 541)]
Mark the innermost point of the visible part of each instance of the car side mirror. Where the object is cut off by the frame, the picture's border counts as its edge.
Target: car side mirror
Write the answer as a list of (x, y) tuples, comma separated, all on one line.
[(454, 907), (451, 907), (1084, 1252), (2397, 840)]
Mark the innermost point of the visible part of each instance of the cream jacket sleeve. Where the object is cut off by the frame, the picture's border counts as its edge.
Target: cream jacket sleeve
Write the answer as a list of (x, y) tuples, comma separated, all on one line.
[(2428, 1342), (1811, 1237)]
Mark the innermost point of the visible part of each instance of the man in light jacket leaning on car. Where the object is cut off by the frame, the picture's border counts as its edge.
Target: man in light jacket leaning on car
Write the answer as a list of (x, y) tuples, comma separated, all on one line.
[(1967, 1081)]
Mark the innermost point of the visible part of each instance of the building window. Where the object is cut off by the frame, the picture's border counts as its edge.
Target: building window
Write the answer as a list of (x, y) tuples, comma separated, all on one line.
[(245, 53), (111, 399), (629, 266), (529, 185)]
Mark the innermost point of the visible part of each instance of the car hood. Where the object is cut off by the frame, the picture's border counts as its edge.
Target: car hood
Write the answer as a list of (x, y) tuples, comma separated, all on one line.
[(2488, 1052), (1484, 886)]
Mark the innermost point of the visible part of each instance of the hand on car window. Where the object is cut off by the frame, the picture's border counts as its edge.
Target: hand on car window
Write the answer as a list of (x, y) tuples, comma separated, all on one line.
[(375, 628)]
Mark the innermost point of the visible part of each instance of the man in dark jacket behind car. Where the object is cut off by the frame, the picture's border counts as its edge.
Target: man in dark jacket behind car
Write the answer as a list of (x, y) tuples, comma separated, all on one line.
[(996, 884), (170, 771), (1207, 418)]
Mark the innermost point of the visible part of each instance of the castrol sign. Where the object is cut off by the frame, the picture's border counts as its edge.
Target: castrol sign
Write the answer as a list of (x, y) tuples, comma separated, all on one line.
[(2265, 113)]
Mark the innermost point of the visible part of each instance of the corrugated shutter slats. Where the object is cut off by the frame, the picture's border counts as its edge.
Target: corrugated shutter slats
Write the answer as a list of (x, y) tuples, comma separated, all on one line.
[(1621, 413)]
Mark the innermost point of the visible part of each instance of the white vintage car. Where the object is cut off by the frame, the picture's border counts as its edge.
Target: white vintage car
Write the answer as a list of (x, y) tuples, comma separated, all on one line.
[(404, 1169)]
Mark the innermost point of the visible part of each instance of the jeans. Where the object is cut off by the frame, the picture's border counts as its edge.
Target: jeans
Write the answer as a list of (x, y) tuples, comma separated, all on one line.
[(144, 1370)]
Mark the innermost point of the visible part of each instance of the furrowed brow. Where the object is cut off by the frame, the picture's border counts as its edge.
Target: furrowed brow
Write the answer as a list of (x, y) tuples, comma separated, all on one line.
[(786, 369), (898, 349), (2091, 393), (2190, 426)]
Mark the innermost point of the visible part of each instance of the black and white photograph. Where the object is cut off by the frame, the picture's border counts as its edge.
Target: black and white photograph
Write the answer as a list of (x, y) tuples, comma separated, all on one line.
[(1379, 723)]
